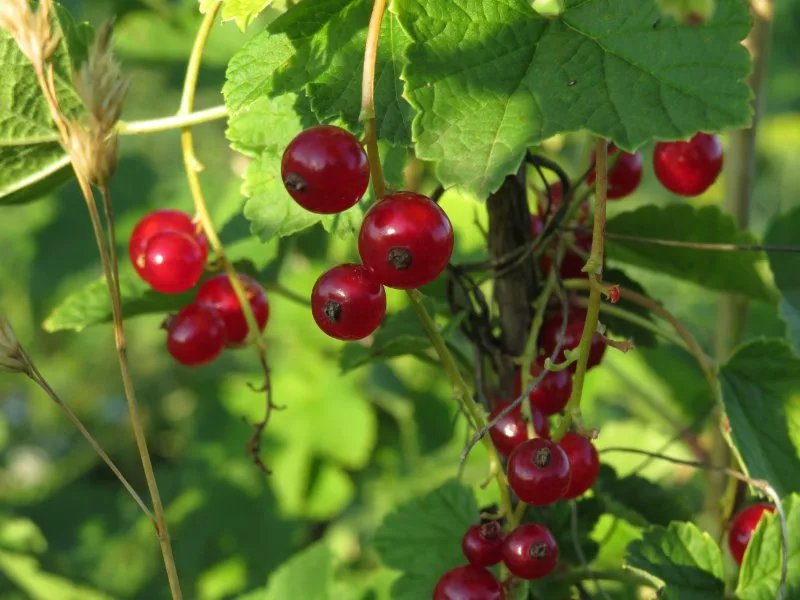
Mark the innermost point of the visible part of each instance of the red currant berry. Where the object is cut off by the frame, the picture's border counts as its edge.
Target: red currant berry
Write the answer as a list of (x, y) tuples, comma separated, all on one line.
[(483, 544), (538, 472), (160, 221), (688, 168), (196, 335), (552, 394), (348, 303), (512, 430), (549, 336), (218, 293), (743, 526), (530, 551), (173, 263), (624, 177), (468, 583), (325, 169), (556, 196), (572, 263), (406, 240), (583, 461)]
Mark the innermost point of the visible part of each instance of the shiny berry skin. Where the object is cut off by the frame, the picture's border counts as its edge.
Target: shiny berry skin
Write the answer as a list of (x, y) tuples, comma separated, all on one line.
[(688, 168), (348, 303), (173, 263), (743, 526), (530, 551), (160, 221), (218, 293), (406, 240), (325, 169), (512, 429), (548, 338), (539, 472), (483, 544), (468, 583), (196, 335), (552, 394), (583, 461), (624, 177)]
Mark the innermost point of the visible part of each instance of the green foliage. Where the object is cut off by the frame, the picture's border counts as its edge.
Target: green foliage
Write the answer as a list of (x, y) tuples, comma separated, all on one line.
[(37, 584), (685, 559), (488, 83), (759, 390), (761, 569), (723, 271), (242, 12), (307, 575), (423, 538), (783, 232), (558, 518)]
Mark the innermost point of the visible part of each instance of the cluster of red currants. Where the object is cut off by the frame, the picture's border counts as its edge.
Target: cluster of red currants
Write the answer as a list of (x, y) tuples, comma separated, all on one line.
[(169, 251), (405, 241), (742, 527)]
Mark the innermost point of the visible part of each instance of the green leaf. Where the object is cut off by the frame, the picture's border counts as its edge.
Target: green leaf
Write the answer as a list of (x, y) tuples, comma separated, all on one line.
[(307, 575), (761, 569), (558, 518), (242, 12), (760, 385), (25, 573), (92, 304), (782, 231), (642, 501), (490, 79), (31, 164), (723, 271), (686, 560), (423, 538), (312, 49)]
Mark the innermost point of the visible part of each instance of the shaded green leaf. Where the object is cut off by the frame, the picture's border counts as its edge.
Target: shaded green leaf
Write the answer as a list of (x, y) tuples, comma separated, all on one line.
[(723, 271), (490, 79), (761, 393), (761, 569), (641, 501), (307, 575), (782, 231), (558, 519), (685, 559), (25, 572)]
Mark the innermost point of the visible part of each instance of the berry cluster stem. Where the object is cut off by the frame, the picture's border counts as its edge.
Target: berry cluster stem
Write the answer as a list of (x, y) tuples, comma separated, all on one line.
[(368, 97), (594, 266), (193, 168)]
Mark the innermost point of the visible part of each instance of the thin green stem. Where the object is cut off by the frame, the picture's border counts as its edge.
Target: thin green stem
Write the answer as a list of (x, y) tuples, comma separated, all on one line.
[(622, 575), (368, 97), (594, 267)]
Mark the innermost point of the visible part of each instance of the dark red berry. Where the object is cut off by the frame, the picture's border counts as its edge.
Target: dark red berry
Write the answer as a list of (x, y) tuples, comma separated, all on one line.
[(556, 196), (196, 335), (406, 240), (218, 293), (468, 583), (530, 551), (483, 544), (572, 263), (624, 176), (552, 394), (583, 461), (173, 262), (548, 338), (512, 429), (325, 169), (538, 472), (160, 221), (348, 302), (688, 168), (743, 526)]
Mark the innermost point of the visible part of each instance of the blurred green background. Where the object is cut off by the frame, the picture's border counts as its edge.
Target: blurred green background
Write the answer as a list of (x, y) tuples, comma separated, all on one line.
[(348, 448)]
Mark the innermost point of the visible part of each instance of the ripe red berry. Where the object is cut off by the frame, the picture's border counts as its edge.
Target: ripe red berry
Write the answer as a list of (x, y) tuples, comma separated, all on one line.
[(552, 394), (468, 583), (530, 551), (173, 262), (538, 472), (325, 169), (512, 429), (625, 176), (483, 544), (196, 335), (406, 240), (218, 293), (743, 526), (583, 461), (548, 338), (688, 168), (160, 221), (348, 303)]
